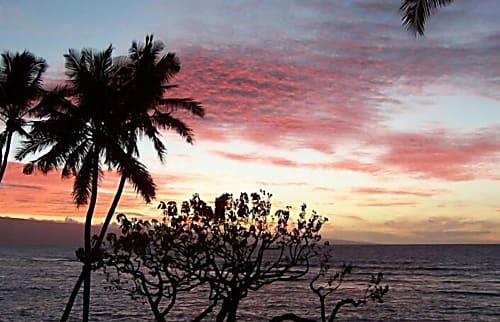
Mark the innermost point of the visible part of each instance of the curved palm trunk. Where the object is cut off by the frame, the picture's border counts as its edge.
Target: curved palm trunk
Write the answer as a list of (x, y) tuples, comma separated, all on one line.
[(87, 240), (72, 297), (102, 234), (111, 211), (5, 156)]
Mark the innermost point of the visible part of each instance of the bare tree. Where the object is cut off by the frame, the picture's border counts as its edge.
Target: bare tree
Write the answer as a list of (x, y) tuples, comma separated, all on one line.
[(327, 281)]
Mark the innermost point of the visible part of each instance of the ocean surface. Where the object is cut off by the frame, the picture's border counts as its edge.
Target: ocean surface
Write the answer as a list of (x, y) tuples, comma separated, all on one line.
[(427, 283)]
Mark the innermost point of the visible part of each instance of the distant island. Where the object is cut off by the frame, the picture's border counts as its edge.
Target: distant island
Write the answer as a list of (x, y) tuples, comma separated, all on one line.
[(33, 232)]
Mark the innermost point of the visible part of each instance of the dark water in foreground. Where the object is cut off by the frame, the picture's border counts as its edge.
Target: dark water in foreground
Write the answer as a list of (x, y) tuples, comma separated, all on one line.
[(427, 283)]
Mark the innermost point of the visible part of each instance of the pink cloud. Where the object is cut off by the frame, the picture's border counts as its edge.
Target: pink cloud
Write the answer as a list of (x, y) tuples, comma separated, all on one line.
[(435, 154), (279, 100), (255, 95), (382, 191), (356, 166), (441, 155), (283, 162)]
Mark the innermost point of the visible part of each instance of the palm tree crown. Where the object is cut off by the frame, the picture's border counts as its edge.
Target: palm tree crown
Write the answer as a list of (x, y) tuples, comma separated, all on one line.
[(20, 85)]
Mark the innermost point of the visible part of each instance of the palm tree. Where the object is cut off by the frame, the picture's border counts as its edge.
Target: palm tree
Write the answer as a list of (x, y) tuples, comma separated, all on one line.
[(416, 12), (139, 109), (20, 85), (82, 134), (146, 110)]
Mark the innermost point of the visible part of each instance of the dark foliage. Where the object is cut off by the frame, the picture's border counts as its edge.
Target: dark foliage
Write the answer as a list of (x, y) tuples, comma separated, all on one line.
[(239, 248)]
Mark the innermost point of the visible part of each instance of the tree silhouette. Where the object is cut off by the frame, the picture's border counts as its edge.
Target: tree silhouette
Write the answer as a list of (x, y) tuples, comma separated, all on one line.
[(253, 247), (143, 82), (239, 248), (327, 280), (416, 12), (20, 86), (151, 257)]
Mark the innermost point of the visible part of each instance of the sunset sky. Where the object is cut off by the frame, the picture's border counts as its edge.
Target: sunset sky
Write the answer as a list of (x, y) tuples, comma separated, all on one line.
[(332, 103)]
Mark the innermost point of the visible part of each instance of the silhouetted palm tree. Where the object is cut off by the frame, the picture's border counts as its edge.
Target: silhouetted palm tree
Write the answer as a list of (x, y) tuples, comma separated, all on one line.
[(135, 107), (82, 134), (20, 85), (416, 12), (146, 109)]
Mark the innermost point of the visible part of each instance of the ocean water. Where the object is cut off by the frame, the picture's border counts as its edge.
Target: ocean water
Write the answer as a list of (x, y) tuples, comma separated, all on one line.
[(427, 283)]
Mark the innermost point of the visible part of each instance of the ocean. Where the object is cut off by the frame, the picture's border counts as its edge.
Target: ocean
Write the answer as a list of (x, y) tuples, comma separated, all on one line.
[(427, 283)]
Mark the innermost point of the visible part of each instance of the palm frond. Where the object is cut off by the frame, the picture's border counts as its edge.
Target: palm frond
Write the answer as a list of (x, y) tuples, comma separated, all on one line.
[(29, 168), (39, 140), (173, 104), (82, 186), (141, 180), (73, 63), (168, 65), (161, 150), (150, 49), (135, 172), (75, 158), (100, 63), (166, 121), (52, 159), (39, 66), (22, 132), (148, 128), (31, 146), (416, 12), (3, 139), (54, 102)]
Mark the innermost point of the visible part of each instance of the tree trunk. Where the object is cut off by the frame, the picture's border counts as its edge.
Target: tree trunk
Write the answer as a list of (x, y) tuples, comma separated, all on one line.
[(158, 316), (102, 234), (290, 317), (205, 312), (322, 307), (111, 211), (72, 297), (87, 239), (221, 316), (3, 165), (231, 316), (228, 310)]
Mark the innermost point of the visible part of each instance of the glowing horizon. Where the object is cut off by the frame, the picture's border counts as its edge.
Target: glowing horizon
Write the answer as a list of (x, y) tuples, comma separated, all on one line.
[(395, 139)]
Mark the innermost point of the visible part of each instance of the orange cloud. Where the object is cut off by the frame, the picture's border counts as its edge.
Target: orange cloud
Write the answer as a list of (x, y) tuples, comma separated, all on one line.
[(387, 204), (49, 196)]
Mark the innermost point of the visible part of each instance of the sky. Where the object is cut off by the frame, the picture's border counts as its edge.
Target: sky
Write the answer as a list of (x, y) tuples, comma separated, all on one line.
[(332, 103)]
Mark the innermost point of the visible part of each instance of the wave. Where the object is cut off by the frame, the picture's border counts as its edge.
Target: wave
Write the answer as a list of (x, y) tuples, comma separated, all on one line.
[(469, 293), (52, 259)]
